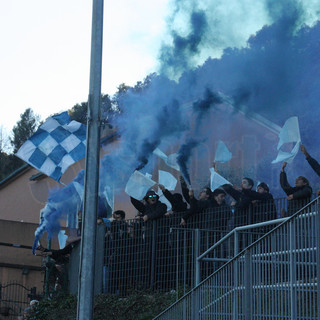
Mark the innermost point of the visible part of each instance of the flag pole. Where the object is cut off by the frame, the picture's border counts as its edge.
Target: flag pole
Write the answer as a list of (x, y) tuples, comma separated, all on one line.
[(91, 182)]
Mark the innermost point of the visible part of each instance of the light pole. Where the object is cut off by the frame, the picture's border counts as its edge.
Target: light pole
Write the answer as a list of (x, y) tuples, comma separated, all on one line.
[(91, 181)]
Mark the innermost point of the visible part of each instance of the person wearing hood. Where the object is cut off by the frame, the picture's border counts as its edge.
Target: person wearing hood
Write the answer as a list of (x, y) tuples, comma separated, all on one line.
[(151, 208), (150, 211)]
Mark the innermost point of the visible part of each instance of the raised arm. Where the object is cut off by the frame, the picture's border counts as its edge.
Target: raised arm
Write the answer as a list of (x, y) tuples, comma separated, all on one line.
[(138, 205), (313, 162), (284, 181), (184, 189)]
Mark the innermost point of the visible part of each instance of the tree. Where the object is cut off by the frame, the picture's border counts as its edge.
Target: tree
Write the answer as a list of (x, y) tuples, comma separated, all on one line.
[(4, 141), (24, 129), (79, 112), (140, 86), (4, 158)]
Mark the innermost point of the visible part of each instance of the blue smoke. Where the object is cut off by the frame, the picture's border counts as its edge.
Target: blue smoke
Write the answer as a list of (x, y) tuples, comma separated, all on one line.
[(273, 73), (184, 155), (167, 122), (176, 58), (62, 204)]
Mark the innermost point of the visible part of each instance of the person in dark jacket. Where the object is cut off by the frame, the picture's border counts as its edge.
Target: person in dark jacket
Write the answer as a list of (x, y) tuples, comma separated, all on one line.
[(150, 212), (117, 239), (151, 208), (176, 200), (298, 196), (168, 238), (197, 206), (262, 203), (204, 195), (207, 199), (57, 264), (313, 163), (242, 201)]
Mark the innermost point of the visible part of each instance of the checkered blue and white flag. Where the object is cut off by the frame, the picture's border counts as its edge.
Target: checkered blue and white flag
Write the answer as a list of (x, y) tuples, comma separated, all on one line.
[(55, 146)]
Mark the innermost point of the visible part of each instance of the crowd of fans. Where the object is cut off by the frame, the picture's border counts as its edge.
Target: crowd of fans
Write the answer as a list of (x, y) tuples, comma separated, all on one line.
[(144, 253), (261, 200)]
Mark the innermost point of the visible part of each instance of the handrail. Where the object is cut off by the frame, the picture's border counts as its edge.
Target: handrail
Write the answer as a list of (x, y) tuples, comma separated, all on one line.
[(284, 221), (241, 228)]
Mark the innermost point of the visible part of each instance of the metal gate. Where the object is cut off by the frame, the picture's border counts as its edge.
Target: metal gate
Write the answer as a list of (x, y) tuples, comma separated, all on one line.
[(15, 298)]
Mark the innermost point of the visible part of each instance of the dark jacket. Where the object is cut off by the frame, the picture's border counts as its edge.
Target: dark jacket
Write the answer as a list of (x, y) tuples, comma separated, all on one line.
[(314, 165), (243, 201), (242, 213), (197, 206), (118, 230), (263, 207), (61, 256), (154, 211), (301, 195), (178, 205)]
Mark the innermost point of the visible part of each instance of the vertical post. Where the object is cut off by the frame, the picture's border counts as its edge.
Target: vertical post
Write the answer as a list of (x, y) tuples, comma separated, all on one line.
[(235, 278), (236, 243), (293, 266), (48, 269), (177, 268), (195, 296), (317, 236), (247, 285), (196, 255), (185, 267), (91, 183), (153, 252)]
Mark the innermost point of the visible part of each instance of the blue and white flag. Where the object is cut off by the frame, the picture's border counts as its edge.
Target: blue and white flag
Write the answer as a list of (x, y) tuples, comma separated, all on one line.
[(290, 133), (55, 146), (216, 180), (170, 160), (222, 153)]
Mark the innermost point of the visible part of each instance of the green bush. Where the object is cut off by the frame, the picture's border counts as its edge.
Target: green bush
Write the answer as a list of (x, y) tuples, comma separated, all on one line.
[(136, 306)]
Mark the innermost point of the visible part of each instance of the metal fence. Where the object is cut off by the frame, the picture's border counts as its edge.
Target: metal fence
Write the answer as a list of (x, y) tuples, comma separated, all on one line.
[(162, 255), (15, 298), (273, 278)]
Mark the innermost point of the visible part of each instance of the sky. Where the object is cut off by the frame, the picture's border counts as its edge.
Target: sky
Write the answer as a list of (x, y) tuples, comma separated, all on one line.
[(261, 55), (45, 55), (45, 51)]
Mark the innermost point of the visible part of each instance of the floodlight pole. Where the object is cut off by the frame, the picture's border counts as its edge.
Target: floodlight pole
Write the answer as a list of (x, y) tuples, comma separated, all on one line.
[(91, 182)]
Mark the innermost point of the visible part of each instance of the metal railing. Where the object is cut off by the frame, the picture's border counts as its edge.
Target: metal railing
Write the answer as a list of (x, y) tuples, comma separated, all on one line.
[(273, 278), (162, 255), (244, 235), (15, 298)]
